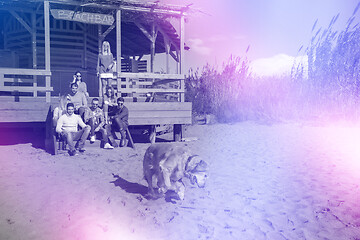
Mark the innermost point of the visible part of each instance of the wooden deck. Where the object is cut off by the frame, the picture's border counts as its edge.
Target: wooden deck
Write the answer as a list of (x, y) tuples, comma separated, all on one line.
[(33, 112)]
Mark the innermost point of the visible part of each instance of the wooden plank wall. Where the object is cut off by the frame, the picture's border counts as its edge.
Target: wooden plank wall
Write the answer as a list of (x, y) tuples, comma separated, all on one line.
[(153, 113), (23, 111), (73, 47)]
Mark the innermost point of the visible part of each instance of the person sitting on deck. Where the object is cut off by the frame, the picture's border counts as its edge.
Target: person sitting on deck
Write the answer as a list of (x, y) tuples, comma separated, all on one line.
[(119, 122), (105, 65), (67, 127), (82, 87), (60, 110), (79, 101), (97, 123), (110, 103)]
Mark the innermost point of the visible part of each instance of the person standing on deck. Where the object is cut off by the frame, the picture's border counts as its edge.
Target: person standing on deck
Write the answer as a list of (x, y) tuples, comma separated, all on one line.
[(105, 65), (67, 127)]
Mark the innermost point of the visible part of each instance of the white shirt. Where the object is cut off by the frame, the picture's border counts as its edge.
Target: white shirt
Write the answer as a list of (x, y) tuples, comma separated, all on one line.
[(69, 123)]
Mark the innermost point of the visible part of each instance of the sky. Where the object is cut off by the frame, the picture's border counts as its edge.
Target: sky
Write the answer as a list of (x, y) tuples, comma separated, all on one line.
[(274, 29)]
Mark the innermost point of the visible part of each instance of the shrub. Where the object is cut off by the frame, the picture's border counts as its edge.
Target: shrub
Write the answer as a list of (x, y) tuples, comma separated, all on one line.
[(329, 90)]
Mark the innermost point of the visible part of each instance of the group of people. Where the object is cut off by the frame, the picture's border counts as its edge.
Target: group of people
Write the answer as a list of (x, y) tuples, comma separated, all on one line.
[(77, 118), (76, 121)]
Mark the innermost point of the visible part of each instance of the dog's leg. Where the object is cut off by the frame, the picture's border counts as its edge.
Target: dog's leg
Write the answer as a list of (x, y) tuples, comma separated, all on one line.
[(180, 189), (148, 177)]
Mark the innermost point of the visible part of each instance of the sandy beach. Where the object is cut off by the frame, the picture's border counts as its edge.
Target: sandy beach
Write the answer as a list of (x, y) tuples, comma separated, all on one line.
[(281, 181)]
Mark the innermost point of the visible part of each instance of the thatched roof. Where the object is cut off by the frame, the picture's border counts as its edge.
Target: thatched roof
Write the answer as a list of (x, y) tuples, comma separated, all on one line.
[(134, 42)]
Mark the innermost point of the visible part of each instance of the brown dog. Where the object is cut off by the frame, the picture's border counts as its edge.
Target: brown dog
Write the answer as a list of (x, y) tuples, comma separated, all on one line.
[(169, 163)]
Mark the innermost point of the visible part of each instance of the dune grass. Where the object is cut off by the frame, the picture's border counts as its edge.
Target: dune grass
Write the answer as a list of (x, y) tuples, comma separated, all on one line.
[(328, 91)]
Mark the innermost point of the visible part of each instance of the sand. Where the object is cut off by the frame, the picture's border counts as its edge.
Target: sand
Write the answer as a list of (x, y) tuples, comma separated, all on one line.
[(281, 181)]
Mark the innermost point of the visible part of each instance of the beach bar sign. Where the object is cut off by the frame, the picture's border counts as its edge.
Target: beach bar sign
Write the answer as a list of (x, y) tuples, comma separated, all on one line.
[(85, 17)]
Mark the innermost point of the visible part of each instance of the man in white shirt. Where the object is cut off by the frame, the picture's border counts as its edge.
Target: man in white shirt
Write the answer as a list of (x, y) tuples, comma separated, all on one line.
[(67, 127)]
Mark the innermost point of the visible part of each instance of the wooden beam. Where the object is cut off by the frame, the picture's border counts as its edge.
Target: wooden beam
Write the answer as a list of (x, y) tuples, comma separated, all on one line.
[(142, 28), (103, 35), (155, 106), (150, 75), (164, 81), (167, 51), (25, 71), (163, 32), (177, 132), (47, 47), (118, 47), (182, 44), (160, 120), (100, 40), (153, 90), (85, 36), (25, 89), (139, 58), (34, 48), (26, 26), (152, 47), (175, 11), (47, 35), (174, 56)]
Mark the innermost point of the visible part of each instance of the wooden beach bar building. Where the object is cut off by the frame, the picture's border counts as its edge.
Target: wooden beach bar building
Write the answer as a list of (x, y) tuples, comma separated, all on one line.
[(43, 42)]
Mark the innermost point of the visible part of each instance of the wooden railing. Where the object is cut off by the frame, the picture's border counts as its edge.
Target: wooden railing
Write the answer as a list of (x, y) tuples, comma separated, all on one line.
[(17, 80), (142, 83)]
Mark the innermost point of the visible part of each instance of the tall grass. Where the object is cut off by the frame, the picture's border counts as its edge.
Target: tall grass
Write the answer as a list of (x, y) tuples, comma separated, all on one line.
[(329, 90)]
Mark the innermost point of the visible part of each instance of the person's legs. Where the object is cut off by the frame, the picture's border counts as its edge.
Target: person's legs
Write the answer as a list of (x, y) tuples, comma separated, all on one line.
[(104, 136), (110, 136), (91, 123), (106, 112), (104, 84), (81, 111), (122, 128), (69, 137), (109, 80), (81, 137)]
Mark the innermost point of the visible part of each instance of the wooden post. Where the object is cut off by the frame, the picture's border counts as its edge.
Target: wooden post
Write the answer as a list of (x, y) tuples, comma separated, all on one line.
[(167, 51), (34, 50), (47, 47), (182, 44), (2, 80), (152, 134), (50, 139), (100, 40), (85, 47), (177, 132), (152, 48), (118, 51)]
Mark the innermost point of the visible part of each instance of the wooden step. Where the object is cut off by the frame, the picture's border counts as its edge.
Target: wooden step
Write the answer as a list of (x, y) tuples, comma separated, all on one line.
[(23, 111)]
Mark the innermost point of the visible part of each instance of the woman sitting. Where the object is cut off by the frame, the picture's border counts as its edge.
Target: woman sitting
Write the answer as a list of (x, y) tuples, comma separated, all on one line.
[(82, 87), (110, 103)]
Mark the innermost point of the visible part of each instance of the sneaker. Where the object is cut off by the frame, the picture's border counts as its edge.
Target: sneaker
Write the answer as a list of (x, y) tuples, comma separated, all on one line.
[(108, 146), (92, 139), (123, 142), (113, 143), (82, 150), (72, 152)]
